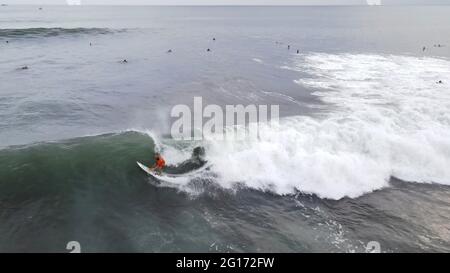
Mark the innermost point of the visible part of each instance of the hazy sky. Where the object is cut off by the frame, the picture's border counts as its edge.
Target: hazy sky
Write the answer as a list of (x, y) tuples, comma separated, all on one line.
[(224, 2)]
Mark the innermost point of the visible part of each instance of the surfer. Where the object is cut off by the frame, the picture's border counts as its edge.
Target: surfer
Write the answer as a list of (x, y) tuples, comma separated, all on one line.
[(161, 171), (160, 163)]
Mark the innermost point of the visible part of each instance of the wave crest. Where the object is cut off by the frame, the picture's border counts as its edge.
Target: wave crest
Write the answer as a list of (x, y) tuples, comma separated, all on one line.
[(51, 32)]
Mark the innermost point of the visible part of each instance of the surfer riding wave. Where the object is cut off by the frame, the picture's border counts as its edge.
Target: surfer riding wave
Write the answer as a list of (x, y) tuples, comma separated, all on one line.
[(193, 164), (159, 165)]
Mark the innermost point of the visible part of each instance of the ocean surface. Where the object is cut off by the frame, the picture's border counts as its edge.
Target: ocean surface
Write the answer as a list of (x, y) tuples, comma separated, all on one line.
[(361, 153)]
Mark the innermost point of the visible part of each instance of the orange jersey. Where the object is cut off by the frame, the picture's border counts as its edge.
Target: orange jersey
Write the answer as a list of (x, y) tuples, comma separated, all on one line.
[(160, 163)]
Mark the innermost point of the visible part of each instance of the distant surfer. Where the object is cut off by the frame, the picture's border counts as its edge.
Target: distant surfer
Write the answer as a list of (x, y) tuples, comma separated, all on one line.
[(289, 47), (169, 51), (24, 68), (214, 39), (208, 50), (124, 61), (298, 51), (423, 49), (160, 163), (439, 82)]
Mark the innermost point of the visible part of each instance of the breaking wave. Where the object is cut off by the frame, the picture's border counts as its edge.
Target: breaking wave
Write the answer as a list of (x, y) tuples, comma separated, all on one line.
[(388, 117)]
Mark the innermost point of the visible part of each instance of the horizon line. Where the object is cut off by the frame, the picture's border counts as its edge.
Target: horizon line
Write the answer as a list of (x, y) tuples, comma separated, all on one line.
[(233, 5)]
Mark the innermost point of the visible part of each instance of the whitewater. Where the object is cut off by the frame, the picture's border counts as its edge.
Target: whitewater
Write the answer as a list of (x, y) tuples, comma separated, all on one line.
[(388, 118)]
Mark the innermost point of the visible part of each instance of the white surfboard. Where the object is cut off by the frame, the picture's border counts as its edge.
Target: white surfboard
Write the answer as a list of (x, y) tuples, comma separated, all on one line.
[(172, 178), (143, 167)]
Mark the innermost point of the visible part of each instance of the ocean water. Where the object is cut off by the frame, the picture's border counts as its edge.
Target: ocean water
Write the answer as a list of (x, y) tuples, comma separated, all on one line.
[(361, 152)]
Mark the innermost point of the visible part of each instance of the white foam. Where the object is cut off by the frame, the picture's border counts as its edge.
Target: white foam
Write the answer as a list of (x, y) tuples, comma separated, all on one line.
[(174, 152), (257, 60), (387, 117)]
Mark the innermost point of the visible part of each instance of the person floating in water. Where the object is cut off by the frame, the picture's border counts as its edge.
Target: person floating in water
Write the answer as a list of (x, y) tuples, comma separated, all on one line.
[(298, 51), (440, 82), (24, 68), (124, 61), (214, 39), (423, 49), (160, 163), (169, 51), (289, 47), (208, 50)]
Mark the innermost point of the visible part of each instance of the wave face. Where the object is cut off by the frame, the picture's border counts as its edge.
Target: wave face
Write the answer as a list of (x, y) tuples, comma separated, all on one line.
[(50, 32), (388, 118), (55, 169), (100, 159)]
